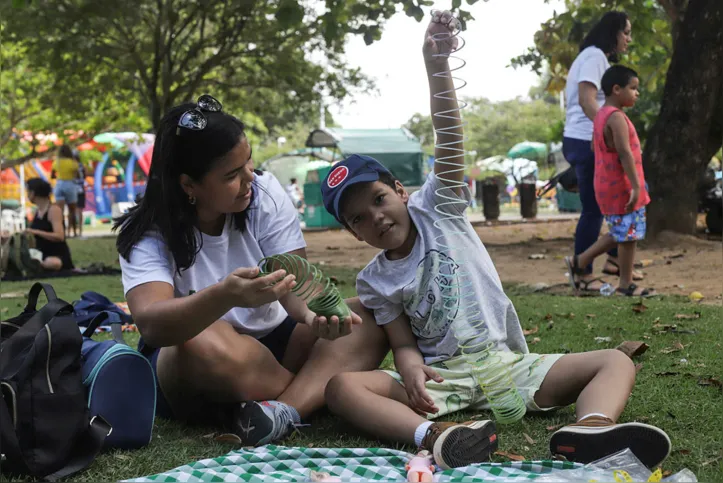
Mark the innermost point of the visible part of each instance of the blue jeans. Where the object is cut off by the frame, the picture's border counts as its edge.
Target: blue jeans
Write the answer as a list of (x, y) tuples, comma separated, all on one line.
[(580, 156)]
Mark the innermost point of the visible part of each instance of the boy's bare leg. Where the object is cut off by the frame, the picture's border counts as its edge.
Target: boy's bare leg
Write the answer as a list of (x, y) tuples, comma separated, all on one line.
[(374, 402), (598, 381), (603, 245), (626, 257)]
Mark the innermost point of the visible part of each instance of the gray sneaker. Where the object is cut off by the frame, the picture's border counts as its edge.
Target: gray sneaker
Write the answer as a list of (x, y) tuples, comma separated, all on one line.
[(260, 422)]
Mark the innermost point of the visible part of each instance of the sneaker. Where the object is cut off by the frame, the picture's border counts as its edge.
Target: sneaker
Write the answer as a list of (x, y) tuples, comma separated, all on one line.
[(262, 422), (460, 444), (596, 437)]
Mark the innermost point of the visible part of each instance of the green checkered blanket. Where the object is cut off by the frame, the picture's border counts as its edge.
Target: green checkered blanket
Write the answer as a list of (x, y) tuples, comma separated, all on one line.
[(280, 463)]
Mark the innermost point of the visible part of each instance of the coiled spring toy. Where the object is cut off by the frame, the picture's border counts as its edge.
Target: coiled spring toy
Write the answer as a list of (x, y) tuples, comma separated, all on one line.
[(320, 294), (468, 325)]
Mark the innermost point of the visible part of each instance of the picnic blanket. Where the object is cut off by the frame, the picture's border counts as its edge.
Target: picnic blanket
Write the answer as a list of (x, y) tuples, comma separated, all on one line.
[(280, 463), (75, 272)]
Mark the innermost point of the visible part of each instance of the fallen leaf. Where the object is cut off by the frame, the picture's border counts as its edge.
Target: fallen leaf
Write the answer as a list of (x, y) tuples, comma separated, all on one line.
[(639, 308), (228, 438), (537, 256), (548, 317), (693, 316), (535, 340), (696, 296), (667, 373), (667, 473), (590, 316), (513, 457), (711, 381), (554, 427), (531, 331), (528, 438), (122, 456), (13, 295), (632, 348), (646, 337), (682, 451), (677, 255), (677, 346), (644, 263), (638, 367), (600, 340), (208, 436), (333, 248)]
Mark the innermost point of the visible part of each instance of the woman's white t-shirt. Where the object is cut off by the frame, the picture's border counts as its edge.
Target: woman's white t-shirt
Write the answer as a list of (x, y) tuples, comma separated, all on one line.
[(589, 66), (272, 227)]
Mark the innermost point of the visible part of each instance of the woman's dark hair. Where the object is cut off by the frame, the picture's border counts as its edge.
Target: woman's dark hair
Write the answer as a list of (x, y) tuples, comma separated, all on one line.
[(39, 187), (165, 207), (65, 151), (604, 35)]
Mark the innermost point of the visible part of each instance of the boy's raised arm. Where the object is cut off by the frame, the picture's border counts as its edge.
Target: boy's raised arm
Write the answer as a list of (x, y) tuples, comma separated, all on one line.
[(446, 119)]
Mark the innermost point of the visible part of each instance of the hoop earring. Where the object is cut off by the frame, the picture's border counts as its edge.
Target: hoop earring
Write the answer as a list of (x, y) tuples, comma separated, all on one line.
[(192, 200)]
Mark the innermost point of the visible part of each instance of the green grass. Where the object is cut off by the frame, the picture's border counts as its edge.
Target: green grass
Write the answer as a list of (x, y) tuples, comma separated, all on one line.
[(668, 393)]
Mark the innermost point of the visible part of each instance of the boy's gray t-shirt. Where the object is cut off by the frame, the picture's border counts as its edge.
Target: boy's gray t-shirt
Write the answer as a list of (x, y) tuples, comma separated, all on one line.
[(443, 263)]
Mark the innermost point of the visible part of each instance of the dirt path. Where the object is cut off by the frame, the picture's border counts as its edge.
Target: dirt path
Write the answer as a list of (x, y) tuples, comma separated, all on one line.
[(680, 264)]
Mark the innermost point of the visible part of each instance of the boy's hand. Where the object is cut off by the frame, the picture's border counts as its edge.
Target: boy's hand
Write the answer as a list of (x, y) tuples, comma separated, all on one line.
[(414, 382), (634, 195), (439, 39), (333, 328)]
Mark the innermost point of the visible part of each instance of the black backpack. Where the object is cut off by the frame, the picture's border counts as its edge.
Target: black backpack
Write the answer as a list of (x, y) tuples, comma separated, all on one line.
[(45, 428)]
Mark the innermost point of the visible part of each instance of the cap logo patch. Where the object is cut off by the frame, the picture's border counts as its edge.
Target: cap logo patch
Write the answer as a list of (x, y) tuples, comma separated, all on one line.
[(337, 176)]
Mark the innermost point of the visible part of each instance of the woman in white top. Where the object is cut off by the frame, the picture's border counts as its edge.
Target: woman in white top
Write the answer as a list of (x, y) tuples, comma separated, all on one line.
[(219, 337), (608, 38)]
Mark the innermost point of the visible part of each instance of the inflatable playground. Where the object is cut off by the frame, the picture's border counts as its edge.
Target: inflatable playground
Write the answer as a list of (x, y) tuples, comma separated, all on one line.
[(113, 180)]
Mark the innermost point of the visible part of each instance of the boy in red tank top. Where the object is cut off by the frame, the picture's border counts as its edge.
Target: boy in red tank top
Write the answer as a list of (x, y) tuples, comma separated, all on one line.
[(619, 179)]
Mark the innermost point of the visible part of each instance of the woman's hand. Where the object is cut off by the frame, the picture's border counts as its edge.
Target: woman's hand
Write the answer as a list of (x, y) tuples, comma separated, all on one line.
[(332, 328), (244, 289), (439, 39), (415, 378)]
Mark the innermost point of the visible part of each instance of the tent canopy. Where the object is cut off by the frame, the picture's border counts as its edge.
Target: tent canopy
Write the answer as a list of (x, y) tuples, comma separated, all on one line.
[(397, 149)]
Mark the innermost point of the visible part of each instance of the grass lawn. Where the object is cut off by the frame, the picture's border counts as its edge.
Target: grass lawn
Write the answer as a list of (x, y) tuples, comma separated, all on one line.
[(677, 389)]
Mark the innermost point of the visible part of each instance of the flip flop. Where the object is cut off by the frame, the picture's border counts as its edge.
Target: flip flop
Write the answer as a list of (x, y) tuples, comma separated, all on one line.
[(572, 270), (617, 273)]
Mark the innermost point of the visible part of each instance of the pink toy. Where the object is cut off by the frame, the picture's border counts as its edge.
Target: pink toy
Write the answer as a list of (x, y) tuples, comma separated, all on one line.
[(420, 468), (323, 477)]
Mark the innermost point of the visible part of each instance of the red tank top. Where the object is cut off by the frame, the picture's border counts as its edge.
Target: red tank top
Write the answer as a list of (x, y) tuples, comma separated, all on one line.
[(612, 186)]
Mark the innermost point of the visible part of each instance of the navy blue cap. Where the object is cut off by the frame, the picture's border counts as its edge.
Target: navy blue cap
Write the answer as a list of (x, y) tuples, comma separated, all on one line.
[(355, 169)]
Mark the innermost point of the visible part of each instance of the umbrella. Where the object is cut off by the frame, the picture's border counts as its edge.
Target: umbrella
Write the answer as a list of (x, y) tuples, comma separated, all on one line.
[(527, 149)]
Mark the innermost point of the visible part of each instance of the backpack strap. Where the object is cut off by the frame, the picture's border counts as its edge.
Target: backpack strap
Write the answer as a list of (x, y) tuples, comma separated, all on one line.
[(115, 325), (35, 292), (86, 449)]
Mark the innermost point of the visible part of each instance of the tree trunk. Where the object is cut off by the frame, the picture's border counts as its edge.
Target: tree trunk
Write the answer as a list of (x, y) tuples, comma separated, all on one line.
[(679, 145)]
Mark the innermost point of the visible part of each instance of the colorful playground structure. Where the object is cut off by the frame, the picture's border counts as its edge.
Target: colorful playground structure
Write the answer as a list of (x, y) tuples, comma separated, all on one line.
[(118, 177)]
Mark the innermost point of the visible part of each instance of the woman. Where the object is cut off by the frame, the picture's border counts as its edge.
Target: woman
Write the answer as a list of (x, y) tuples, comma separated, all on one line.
[(602, 45), (218, 336), (65, 169), (48, 227)]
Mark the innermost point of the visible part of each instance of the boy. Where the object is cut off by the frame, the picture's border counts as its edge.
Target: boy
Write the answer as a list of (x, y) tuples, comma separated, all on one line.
[(619, 180), (401, 285)]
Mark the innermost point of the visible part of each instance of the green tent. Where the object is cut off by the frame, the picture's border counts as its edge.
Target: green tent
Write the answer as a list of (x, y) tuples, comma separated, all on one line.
[(397, 149)]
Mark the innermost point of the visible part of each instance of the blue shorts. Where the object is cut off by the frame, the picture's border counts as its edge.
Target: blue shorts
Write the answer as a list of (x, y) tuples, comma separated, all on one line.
[(627, 228), (276, 341), (67, 191)]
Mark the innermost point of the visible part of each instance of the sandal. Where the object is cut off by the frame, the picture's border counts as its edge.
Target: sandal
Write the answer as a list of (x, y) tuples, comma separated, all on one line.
[(585, 284), (573, 269), (637, 276), (630, 291)]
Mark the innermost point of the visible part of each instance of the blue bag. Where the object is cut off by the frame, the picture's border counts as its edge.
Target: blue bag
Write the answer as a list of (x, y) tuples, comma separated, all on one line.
[(120, 385), (91, 304)]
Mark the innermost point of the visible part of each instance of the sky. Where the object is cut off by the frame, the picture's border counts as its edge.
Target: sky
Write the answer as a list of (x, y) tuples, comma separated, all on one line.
[(502, 29)]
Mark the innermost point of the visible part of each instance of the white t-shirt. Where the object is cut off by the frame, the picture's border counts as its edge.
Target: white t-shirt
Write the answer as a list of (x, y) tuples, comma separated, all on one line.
[(589, 66), (421, 283), (272, 227)]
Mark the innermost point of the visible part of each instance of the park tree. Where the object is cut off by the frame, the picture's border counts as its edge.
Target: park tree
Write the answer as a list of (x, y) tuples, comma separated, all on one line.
[(678, 51), (273, 59)]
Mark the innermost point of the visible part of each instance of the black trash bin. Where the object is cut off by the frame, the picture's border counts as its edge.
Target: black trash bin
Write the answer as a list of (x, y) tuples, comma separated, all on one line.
[(491, 200), (528, 200)]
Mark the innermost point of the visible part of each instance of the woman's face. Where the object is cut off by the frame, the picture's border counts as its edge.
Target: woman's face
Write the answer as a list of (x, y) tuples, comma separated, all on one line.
[(625, 37), (227, 187)]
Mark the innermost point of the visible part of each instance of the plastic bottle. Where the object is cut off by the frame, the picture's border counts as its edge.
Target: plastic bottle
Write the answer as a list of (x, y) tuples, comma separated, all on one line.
[(607, 290)]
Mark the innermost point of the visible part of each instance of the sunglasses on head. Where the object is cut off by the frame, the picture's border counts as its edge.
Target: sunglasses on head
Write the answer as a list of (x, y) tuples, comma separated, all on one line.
[(194, 119)]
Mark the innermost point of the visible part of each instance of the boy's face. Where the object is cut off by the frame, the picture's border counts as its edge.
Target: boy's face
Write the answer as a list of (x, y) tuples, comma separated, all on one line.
[(629, 94), (377, 214)]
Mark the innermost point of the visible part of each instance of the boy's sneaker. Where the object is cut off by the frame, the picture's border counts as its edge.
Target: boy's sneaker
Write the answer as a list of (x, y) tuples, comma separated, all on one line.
[(460, 444), (263, 422), (596, 437)]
